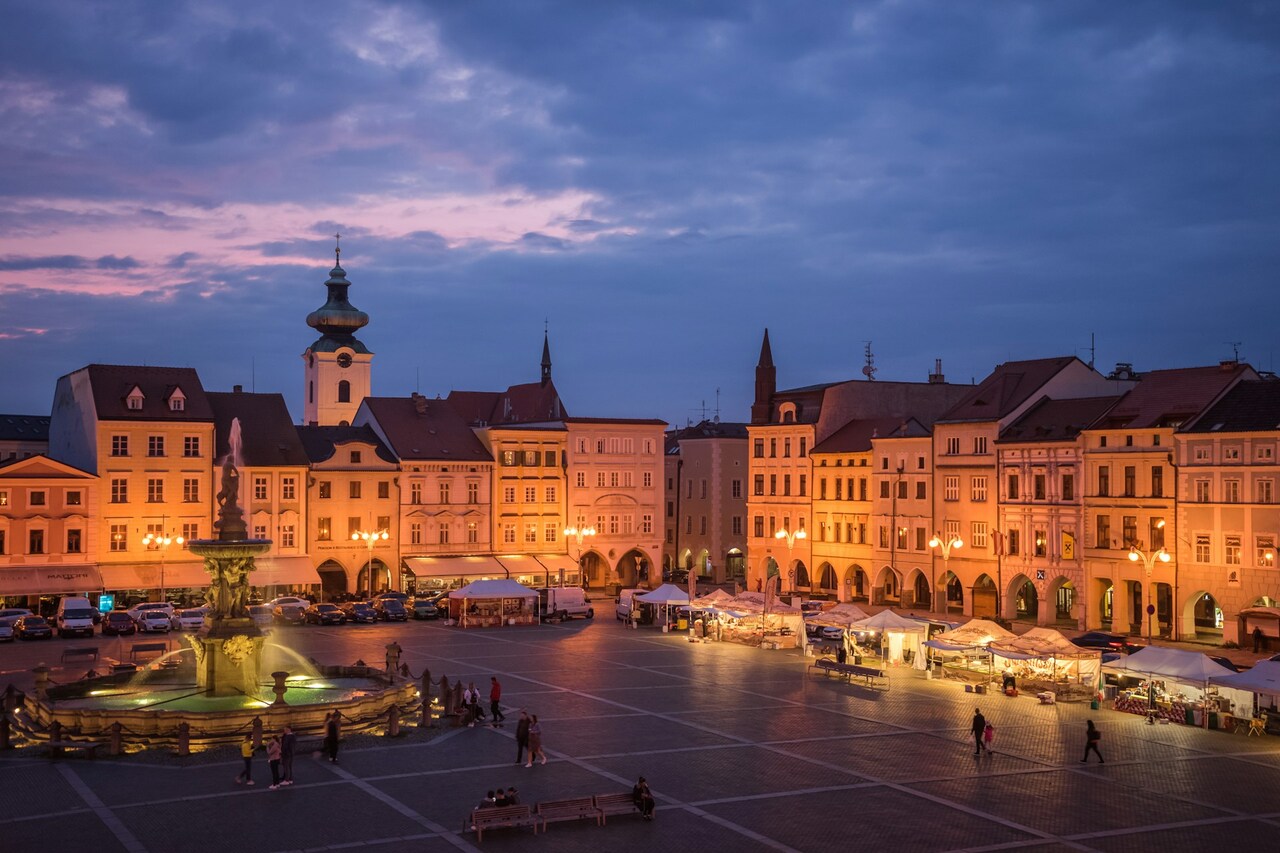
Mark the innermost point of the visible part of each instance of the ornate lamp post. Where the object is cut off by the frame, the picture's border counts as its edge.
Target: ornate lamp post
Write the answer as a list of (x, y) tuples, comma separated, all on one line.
[(577, 534), (791, 538), (161, 541), (945, 544), (1149, 560), (371, 538)]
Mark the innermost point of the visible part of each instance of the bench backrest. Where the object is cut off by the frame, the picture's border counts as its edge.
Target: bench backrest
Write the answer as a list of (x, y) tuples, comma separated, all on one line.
[(148, 648), (81, 652), (613, 799), (579, 803), (501, 813), (866, 670)]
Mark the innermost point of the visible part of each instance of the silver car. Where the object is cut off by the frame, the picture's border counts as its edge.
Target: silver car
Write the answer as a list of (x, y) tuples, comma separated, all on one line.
[(188, 620), (6, 629)]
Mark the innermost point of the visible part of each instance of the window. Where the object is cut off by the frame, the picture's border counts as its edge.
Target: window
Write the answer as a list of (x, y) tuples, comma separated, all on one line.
[(920, 539), (190, 530), (979, 444), (1011, 489), (1104, 481), (531, 457), (1266, 551), (155, 445), (786, 484), (550, 494), (1231, 453), (978, 488), (735, 489), (1129, 530), (1264, 452), (581, 480), (951, 488), (550, 531), (177, 404), (119, 537), (135, 402), (384, 489), (286, 536), (921, 490), (919, 463), (1038, 491), (508, 458), (1202, 547), (1155, 534), (736, 525), (599, 479), (191, 446), (951, 530), (773, 447), (1231, 491), (1104, 531), (473, 493), (902, 539), (259, 531), (119, 445), (702, 526), (1130, 481), (353, 490), (344, 391), (1013, 541), (190, 489), (1041, 543), (356, 456), (884, 488), (1201, 453), (384, 522), (415, 533), (1231, 554), (508, 534), (74, 541), (35, 498), (786, 448), (1068, 487), (259, 488), (804, 485), (978, 537), (325, 489), (288, 489), (1157, 481), (353, 524), (548, 459), (773, 484), (4, 498), (757, 526), (155, 490), (838, 490), (324, 528), (472, 533), (757, 448), (1102, 441), (35, 541), (119, 490), (883, 534), (1264, 490), (74, 498), (415, 493), (953, 446), (1202, 491)]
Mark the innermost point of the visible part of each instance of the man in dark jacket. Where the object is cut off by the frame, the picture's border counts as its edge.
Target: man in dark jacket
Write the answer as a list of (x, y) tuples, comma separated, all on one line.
[(288, 742), (522, 736), (979, 726)]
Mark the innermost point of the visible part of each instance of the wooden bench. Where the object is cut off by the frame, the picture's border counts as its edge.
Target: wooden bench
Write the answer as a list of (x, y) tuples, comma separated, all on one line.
[(60, 747), (148, 649), (615, 804), (828, 667), (870, 673), (86, 652), (500, 818), (580, 808)]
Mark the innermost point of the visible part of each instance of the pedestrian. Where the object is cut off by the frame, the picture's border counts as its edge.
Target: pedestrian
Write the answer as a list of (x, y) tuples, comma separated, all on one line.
[(332, 733), (988, 735), (1258, 638), (288, 743), (1092, 736), (643, 798), (522, 735), (273, 760), (979, 728), (472, 698), (393, 657), (841, 654), (246, 752), (495, 694), (535, 741)]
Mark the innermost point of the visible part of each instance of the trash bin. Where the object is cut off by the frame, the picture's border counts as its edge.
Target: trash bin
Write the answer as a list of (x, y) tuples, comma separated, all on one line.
[(682, 624), (1094, 704)]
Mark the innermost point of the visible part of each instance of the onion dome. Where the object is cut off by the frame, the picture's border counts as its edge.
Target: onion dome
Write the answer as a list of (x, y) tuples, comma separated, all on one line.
[(337, 317)]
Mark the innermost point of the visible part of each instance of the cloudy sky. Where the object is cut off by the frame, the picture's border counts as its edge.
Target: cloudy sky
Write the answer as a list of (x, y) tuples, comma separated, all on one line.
[(657, 181)]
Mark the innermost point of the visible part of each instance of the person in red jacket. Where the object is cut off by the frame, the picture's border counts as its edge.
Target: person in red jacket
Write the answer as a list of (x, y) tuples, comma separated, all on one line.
[(495, 694)]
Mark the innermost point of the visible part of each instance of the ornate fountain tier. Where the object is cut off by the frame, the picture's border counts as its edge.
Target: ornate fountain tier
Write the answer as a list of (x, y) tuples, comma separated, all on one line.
[(229, 643)]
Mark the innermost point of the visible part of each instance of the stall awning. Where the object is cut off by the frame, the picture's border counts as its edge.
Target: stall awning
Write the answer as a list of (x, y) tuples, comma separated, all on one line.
[(280, 571), (556, 563), (49, 580), (522, 565), (177, 575), (455, 567)]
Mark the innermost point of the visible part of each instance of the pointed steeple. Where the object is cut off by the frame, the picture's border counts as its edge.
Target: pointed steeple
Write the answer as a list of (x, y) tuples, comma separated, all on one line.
[(766, 384), (546, 358)]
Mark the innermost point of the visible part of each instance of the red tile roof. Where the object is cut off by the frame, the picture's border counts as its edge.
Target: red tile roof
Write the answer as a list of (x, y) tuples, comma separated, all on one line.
[(856, 436), (533, 402), (1056, 420), (418, 428), (112, 383), (1165, 398), (268, 435), (1007, 387)]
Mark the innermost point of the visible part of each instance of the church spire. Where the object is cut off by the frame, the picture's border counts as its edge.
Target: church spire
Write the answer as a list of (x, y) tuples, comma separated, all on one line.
[(546, 357), (766, 384)]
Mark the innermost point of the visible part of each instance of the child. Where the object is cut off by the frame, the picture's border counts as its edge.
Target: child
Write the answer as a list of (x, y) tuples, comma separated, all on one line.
[(988, 735)]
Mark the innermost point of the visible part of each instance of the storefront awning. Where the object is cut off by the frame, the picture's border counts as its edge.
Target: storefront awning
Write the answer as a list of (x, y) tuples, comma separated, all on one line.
[(558, 563), (455, 567), (177, 575), (49, 580), (522, 565), (283, 571)]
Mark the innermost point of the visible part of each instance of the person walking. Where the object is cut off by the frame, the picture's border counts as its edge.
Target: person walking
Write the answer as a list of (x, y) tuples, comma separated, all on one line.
[(393, 657), (332, 733), (273, 760), (288, 743), (495, 694), (1258, 638), (522, 735), (535, 741), (472, 697), (1092, 736), (246, 752), (979, 728)]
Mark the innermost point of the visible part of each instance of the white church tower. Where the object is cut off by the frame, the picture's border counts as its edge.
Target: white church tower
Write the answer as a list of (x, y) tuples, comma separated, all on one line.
[(337, 366)]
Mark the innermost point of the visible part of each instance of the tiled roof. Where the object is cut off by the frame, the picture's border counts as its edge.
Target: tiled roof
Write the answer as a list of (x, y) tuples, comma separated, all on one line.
[(856, 435), (620, 421), (1007, 387), (705, 429), (418, 428), (24, 427), (1171, 397), (321, 442), (267, 433), (1251, 406), (112, 383), (533, 402), (1056, 420)]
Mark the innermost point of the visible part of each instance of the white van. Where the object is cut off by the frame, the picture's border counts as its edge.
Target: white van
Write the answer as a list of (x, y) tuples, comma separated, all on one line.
[(75, 617), (625, 605), (564, 602)]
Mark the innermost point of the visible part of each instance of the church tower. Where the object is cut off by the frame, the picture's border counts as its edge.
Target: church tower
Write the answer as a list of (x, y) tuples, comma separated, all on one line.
[(766, 384), (337, 367), (546, 359)]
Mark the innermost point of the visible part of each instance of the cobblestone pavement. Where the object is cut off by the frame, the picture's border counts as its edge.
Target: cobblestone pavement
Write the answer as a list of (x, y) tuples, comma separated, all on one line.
[(744, 751)]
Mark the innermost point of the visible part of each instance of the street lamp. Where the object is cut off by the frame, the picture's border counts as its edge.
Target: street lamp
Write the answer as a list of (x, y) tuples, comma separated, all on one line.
[(791, 538), (1148, 560), (371, 538), (161, 541), (945, 545), (577, 534)]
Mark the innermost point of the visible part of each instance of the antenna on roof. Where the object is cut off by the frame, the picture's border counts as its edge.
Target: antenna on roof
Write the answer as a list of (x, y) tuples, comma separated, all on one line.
[(717, 405), (1091, 351), (253, 375), (417, 380), (869, 370), (1235, 349)]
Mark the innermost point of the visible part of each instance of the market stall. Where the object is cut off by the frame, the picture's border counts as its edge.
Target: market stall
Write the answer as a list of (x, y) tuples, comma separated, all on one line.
[(1175, 685), (1043, 660), (1262, 685), (665, 598), (493, 603), (745, 619), (901, 640), (962, 652)]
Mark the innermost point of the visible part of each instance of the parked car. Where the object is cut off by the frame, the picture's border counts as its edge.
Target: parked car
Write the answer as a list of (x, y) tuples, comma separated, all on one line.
[(261, 615), (6, 629), (75, 617), (118, 623), (324, 614), (289, 599), (154, 621), (1106, 640), (359, 611), (402, 596), (14, 612), (287, 614), (32, 627), (137, 610), (391, 610), (424, 608), (189, 620)]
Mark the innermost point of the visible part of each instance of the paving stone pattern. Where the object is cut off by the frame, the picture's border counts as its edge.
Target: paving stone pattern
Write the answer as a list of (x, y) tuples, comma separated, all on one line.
[(744, 750)]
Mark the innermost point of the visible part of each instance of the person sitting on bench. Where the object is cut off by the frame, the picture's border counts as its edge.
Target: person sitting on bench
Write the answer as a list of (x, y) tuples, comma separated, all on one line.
[(643, 798)]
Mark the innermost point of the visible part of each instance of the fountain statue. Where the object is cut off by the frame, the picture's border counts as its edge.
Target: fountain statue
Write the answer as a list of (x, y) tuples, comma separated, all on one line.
[(229, 644)]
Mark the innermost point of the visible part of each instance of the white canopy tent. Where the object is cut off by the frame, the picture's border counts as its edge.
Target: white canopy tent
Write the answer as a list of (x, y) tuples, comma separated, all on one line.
[(840, 616), (667, 594), (489, 603), (898, 636), (1043, 654), (1191, 671), (972, 635), (1263, 680)]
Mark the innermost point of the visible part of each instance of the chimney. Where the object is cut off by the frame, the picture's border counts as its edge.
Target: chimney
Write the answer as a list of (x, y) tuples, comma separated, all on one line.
[(419, 403), (237, 389), (936, 378), (1228, 364)]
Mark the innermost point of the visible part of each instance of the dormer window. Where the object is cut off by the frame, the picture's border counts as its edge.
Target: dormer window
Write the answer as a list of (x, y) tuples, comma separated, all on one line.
[(134, 400), (177, 400)]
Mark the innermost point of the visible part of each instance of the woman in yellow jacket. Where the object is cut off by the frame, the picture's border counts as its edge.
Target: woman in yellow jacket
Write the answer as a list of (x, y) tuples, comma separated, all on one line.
[(246, 752)]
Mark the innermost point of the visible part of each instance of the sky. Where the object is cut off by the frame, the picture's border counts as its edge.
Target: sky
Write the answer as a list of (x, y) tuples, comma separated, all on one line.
[(653, 183)]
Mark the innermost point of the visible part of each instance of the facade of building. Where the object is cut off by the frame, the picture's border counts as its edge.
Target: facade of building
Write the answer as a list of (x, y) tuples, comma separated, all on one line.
[(22, 436), (902, 515), (705, 468)]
